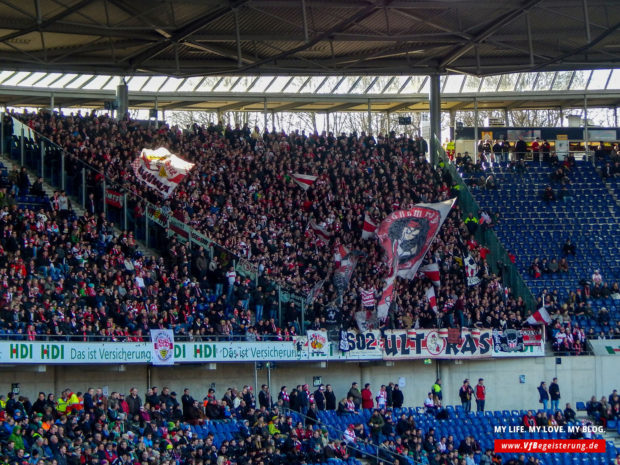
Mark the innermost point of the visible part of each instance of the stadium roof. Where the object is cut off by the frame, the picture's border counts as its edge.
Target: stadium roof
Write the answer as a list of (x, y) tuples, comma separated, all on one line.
[(315, 93), (308, 37)]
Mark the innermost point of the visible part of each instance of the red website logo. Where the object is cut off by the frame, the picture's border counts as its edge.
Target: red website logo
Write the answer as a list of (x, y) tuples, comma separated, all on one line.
[(537, 446)]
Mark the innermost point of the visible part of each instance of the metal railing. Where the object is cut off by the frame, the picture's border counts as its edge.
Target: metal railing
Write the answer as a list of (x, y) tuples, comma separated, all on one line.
[(130, 211), (379, 453), (24, 337), (498, 258)]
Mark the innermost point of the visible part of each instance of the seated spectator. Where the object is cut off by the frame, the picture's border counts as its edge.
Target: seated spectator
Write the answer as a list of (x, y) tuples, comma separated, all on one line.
[(429, 404), (563, 265), (529, 419), (597, 278), (37, 188), (593, 408), (535, 269), (569, 413), (548, 194), (569, 248), (554, 266), (491, 183)]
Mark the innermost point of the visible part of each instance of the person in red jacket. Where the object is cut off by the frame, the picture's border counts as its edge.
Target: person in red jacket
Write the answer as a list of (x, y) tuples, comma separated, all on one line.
[(481, 395), (367, 401), (529, 419)]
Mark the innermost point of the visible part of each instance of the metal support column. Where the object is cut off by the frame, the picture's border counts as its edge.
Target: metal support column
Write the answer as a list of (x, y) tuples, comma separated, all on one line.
[(561, 117), (265, 111), (146, 227), (63, 179), (452, 124), (105, 204), (83, 187), (2, 146), (125, 211), (52, 104), (156, 111), (616, 117), (435, 118), (42, 147), (388, 115), (506, 117), (327, 121), (586, 136), (22, 148), (475, 130), (369, 118)]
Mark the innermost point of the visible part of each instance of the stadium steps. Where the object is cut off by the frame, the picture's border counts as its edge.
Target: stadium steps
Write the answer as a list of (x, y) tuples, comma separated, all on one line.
[(613, 195), (77, 208)]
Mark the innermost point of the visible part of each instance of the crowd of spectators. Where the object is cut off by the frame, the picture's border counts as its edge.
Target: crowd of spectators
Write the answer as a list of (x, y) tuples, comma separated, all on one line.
[(95, 427), (608, 408), (242, 196)]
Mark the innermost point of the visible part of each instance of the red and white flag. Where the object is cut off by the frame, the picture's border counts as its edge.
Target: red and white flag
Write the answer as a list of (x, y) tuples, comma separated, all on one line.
[(320, 231), (539, 317), (388, 291), (368, 297), (340, 254), (406, 235), (432, 299), (431, 271), (304, 180), (369, 229)]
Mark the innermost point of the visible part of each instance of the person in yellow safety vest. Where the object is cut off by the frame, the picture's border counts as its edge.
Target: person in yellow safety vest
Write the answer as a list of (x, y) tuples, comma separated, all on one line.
[(450, 149), (67, 401), (76, 403), (438, 396)]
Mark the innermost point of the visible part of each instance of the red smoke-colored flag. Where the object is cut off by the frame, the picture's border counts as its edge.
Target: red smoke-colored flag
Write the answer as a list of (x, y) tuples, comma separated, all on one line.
[(340, 254), (304, 180), (369, 229), (432, 299), (539, 317), (320, 231), (431, 271), (388, 291), (406, 235)]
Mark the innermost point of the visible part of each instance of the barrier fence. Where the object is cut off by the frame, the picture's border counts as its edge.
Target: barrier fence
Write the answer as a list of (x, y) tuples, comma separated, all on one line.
[(498, 258)]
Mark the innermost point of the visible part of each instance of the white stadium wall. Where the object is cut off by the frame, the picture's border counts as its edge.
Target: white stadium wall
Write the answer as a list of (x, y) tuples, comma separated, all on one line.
[(579, 378)]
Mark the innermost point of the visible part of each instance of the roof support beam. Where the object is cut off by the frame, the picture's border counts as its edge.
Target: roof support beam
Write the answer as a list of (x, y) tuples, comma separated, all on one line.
[(529, 38), (499, 24), (586, 20), (43, 24), (351, 21), (184, 32)]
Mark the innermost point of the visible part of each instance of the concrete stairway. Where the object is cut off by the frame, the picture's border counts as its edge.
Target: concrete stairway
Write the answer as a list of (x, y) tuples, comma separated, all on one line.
[(77, 208)]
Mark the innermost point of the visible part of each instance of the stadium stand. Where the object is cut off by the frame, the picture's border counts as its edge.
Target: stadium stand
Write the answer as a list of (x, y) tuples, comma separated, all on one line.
[(93, 428), (582, 212), (266, 220)]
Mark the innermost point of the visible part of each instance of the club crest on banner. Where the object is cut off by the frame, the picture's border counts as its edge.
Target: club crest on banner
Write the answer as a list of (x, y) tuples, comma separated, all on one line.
[(163, 347)]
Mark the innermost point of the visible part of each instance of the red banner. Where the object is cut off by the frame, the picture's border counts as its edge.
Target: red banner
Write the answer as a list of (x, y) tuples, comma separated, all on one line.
[(114, 198)]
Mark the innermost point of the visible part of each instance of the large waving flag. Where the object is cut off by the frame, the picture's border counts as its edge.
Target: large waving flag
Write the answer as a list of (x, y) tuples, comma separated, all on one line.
[(304, 180), (340, 254), (388, 292), (320, 231), (161, 170), (431, 271), (369, 229), (342, 275), (406, 235), (432, 299), (539, 317)]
